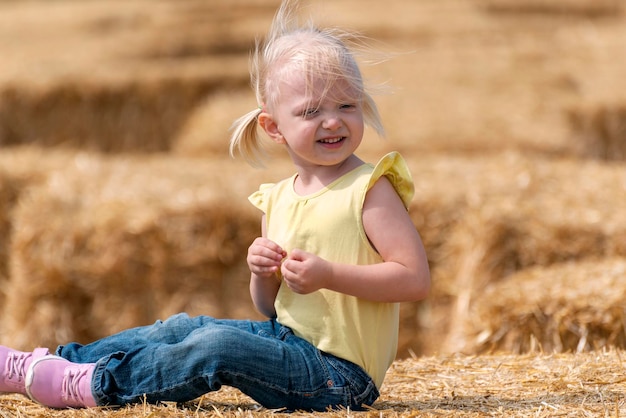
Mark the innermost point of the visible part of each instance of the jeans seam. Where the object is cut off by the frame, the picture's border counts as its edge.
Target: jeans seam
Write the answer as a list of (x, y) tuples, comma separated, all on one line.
[(96, 382), (323, 362), (340, 366)]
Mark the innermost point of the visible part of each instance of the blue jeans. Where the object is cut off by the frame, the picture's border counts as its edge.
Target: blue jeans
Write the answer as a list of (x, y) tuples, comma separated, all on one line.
[(182, 358)]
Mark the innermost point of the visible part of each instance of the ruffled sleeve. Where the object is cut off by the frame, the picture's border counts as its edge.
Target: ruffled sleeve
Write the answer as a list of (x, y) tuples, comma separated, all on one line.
[(260, 198), (396, 170)]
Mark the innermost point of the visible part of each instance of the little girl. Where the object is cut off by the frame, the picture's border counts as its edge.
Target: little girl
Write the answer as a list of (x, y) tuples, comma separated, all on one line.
[(337, 253)]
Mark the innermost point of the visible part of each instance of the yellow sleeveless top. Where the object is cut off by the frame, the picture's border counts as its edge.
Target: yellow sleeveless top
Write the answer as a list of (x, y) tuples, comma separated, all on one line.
[(328, 223)]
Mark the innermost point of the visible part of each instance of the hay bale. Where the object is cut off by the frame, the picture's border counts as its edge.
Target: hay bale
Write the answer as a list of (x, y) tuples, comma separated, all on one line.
[(504, 213), (111, 243), (570, 211), (199, 29), (448, 187), (582, 8), (135, 116), (573, 306), (19, 170), (599, 130), (8, 196), (206, 131), (439, 202)]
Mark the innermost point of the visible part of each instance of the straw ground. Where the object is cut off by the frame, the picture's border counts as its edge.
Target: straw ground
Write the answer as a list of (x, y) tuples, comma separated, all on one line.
[(116, 194), (589, 384)]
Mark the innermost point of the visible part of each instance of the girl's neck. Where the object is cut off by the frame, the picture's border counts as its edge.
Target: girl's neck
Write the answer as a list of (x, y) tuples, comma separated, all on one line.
[(311, 179)]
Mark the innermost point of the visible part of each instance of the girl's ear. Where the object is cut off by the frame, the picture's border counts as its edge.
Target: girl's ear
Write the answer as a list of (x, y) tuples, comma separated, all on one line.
[(270, 127)]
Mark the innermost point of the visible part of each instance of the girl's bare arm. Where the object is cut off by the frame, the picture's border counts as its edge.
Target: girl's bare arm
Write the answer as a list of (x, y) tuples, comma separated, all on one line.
[(264, 258), (402, 276)]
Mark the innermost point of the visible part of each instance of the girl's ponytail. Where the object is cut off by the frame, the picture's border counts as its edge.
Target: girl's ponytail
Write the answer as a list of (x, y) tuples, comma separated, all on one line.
[(245, 138), (319, 53)]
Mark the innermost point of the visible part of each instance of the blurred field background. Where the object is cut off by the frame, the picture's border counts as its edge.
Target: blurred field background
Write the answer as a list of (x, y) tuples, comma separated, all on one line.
[(119, 203)]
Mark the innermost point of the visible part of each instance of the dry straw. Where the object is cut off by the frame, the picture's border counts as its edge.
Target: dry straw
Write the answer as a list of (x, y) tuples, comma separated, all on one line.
[(135, 116), (502, 385), (19, 170), (584, 8), (206, 131), (148, 226), (566, 307), (599, 130), (107, 244), (503, 214), (8, 196)]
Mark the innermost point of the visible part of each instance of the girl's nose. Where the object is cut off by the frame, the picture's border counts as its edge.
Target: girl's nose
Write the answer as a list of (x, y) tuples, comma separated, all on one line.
[(331, 122)]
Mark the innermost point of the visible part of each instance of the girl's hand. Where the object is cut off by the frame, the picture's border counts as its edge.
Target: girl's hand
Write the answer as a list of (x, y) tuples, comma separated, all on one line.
[(264, 257), (304, 272)]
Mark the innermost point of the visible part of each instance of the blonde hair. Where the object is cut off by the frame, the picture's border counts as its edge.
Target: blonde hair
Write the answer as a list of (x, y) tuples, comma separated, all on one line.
[(327, 53)]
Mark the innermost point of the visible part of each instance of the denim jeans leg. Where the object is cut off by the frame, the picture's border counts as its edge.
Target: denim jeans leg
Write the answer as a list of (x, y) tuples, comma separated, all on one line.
[(183, 358)]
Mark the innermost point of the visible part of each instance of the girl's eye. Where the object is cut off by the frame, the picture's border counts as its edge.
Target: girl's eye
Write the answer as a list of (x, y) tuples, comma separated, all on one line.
[(347, 106), (309, 112)]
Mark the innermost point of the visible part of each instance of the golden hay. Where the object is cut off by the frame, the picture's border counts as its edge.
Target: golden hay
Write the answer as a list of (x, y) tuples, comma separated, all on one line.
[(584, 8), (49, 42), (206, 132), (481, 219), (19, 169), (552, 211), (135, 117), (484, 218), (463, 81), (474, 85), (574, 306), (523, 386), (140, 238), (8, 196), (131, 226), (600, 130)]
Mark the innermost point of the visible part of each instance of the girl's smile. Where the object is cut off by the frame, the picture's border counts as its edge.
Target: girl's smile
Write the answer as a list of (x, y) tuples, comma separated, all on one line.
[(320, 125), (331, 141)]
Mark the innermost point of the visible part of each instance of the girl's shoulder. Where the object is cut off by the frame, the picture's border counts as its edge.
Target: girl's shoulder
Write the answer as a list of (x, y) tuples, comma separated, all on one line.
[(394, 168), (261, 197)]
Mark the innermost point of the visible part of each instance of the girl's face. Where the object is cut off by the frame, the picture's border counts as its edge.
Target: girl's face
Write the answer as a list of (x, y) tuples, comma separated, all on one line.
[(318, 129)]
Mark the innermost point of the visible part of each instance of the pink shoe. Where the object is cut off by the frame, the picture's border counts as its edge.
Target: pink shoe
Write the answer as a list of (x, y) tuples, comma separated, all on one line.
[(58, 383), (13, 366)]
